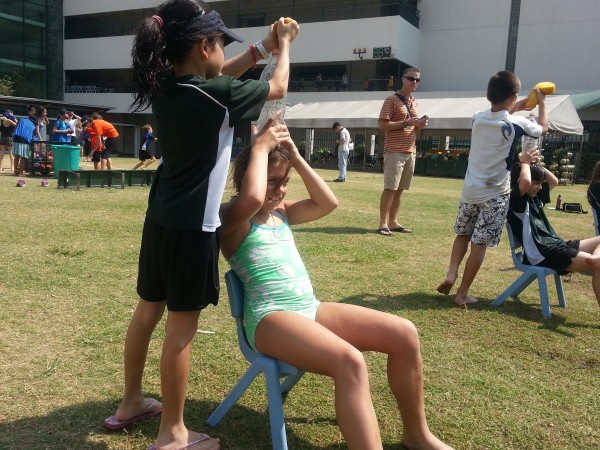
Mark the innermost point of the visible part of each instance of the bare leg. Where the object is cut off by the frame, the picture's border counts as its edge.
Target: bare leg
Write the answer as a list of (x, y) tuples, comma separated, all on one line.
[(2, 151), (385, 204), (310, 346), (395, 209), (181, 329), (144, 321), (589, 259), (149, 162), (138, 165), (472, 266), (370, 330), (108, 164), (459, 249)]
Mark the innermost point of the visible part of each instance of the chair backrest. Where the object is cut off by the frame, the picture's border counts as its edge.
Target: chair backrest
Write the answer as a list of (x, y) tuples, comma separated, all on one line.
[(235, 291), (596, 223), (515, 247)]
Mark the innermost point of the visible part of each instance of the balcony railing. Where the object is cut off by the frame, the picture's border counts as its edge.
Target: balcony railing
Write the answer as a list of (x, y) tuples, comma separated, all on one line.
[(124, 22)]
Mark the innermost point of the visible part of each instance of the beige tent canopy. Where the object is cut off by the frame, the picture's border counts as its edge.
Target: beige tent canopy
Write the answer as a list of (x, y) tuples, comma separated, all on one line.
[(447, 116)]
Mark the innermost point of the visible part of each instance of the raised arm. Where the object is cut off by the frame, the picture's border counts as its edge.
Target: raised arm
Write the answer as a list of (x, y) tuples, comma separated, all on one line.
[(551, 179), (239, 64), (542, 114), (286, 33), (526, 159), (321, 199), (239, 210)]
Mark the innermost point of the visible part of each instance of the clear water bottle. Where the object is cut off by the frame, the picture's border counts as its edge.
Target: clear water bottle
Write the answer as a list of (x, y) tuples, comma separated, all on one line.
[(272, 106), (529, 143)]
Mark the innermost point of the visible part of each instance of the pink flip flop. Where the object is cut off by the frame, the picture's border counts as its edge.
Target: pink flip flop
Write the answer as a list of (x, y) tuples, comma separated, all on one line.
[(203, 438), (112, 423)]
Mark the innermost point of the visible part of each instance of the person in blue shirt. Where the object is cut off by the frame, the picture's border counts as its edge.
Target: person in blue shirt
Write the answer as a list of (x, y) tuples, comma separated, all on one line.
[(146, 156), (61, 131)]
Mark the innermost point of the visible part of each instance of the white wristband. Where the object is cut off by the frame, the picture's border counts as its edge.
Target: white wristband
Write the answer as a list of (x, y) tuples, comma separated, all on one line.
[(262, 50)]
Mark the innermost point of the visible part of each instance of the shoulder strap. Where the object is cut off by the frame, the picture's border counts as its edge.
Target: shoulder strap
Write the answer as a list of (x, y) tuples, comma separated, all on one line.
[(405, 102)]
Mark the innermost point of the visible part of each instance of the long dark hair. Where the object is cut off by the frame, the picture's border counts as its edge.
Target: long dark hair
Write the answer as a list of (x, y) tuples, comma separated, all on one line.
[(161, 41)]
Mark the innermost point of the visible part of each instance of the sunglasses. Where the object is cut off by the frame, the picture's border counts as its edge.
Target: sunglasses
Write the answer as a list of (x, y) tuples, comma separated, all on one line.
[(413, 79)]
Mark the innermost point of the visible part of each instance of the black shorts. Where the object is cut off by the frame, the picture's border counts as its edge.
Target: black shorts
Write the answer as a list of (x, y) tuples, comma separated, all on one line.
[(110, 145), (179, 266), (145, 154), (96, 156), (560, 257), (87, 148)]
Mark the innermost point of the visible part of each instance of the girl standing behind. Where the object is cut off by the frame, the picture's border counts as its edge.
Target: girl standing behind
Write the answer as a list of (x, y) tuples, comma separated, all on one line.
[(179, 68), (282, 317)]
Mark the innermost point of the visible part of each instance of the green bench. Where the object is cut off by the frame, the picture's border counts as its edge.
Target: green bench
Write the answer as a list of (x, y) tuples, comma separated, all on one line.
[(76, 179)]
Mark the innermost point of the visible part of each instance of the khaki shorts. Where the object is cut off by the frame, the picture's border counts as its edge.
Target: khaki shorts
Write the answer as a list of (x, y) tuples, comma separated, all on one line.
[(398, 169)]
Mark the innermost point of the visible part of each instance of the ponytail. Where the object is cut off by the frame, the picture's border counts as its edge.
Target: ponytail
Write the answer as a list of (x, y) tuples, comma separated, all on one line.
[(150, 66)]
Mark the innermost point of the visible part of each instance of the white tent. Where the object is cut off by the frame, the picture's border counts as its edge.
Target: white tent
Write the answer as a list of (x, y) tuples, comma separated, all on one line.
[(447, 116)]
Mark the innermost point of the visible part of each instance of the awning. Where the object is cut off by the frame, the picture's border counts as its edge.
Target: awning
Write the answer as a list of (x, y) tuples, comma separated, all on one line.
[(586, 100), (447, 116)]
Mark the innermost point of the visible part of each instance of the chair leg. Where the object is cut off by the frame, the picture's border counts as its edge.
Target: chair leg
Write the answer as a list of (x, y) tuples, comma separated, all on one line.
[(515, 289), (544, 300), (233, 396), (289, 382), (278, 435), (560, 291)]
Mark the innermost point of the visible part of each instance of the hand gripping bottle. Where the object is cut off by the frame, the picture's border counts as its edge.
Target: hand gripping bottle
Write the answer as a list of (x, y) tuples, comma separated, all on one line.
[(271, 106), (528, 143)]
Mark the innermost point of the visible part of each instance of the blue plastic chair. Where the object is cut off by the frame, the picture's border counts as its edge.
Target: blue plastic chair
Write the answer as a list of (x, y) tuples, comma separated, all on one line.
[(530, 274), (273, 369)]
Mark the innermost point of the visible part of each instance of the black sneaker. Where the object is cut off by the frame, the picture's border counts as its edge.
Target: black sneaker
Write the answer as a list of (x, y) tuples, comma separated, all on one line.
[(339, 180)]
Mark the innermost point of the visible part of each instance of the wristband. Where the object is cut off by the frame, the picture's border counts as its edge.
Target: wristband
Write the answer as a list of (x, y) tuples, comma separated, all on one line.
[(252, 52), (262, 50)]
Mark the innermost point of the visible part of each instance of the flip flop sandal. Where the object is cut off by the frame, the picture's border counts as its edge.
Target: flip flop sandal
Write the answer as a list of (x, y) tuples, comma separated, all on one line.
[(384, 231), (401, 229)]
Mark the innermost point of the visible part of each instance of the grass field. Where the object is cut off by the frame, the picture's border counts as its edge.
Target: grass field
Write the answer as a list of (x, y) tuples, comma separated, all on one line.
[(496, 378)]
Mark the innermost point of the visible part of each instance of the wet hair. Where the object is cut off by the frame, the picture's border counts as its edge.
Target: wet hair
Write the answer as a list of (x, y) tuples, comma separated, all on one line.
[(240, 164), (158, 44), (537, 174), (502, 86)]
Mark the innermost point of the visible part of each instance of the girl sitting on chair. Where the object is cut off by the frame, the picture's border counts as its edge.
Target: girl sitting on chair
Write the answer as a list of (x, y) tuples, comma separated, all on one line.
[(284, 320), (541, 244)]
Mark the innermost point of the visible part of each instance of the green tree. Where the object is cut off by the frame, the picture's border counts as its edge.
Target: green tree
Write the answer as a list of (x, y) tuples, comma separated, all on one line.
[(7, 85)]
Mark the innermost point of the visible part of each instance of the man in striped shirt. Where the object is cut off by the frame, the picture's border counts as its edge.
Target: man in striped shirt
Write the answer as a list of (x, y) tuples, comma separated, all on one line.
[(399, 118)]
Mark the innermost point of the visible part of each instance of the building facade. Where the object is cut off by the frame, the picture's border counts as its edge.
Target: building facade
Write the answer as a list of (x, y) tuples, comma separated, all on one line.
[(457, 45)]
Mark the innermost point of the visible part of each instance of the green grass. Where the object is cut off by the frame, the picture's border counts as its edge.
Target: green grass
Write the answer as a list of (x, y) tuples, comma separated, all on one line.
[(496, 378)]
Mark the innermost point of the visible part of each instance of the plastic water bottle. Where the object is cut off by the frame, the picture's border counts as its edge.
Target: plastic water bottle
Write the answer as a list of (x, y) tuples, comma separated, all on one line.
[(529, 143), (272, 106)]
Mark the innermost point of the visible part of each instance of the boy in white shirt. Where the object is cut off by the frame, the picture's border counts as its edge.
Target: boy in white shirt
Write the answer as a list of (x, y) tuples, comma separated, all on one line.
[(486, 189)]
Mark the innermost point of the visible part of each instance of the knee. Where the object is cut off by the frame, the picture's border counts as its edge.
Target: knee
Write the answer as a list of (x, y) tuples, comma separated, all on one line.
[(351, 365), (407, 337)]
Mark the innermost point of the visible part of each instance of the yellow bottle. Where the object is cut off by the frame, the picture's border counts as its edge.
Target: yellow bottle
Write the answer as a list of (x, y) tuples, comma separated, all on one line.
[(547, 88)]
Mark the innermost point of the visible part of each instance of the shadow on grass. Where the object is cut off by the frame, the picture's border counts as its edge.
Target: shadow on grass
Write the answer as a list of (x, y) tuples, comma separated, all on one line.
[(79, 426), (513, 307)]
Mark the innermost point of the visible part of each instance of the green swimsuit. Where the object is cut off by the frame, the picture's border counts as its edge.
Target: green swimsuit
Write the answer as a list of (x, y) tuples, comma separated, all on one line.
[(273, 275)]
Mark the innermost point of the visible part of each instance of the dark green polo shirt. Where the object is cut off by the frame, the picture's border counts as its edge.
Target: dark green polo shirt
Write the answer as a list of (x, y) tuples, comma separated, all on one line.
[(195, 119)]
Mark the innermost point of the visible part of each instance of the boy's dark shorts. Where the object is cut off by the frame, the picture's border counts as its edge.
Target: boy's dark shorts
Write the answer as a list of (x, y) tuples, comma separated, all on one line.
[(145, 155), (560, 257), (179, 267)]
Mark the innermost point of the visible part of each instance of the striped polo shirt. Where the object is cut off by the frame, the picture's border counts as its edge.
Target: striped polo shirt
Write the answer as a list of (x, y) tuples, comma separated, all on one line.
[(394, 110)]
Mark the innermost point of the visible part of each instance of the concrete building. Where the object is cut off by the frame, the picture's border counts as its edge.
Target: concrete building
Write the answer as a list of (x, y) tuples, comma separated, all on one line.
[(457, 45)]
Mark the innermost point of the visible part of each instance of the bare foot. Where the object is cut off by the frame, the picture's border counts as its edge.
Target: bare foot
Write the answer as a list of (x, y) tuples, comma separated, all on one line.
[(445, 287), (430, 442), (195, 441), (465, 300), (147, 405)]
